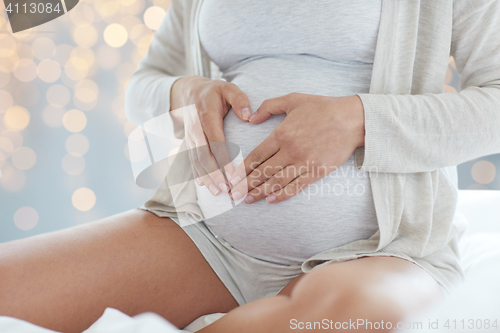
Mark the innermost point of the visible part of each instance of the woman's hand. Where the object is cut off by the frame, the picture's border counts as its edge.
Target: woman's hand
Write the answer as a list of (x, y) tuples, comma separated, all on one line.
[(204, 130), (318, 135)]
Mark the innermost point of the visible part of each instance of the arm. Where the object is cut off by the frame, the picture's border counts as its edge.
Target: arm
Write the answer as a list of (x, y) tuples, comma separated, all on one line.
[(148, 93), (418, 133)]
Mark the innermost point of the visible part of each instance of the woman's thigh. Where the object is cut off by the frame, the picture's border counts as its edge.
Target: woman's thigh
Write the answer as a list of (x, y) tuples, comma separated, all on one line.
[(134, 262)]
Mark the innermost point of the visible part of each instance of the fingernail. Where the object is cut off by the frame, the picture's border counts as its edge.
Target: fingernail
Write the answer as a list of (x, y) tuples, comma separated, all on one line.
[(224, 188), (249, 199), (214, 189), (228, 175), (271, 198), (246, 112), (236, 180), (198, 180), (252, 116), (236, 196)]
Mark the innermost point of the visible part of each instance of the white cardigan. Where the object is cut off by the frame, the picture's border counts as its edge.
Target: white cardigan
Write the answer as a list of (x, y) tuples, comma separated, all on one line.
[(415, 133)]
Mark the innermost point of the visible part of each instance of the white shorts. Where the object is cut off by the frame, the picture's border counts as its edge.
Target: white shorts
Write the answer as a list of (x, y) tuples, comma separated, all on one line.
[(247, 278)]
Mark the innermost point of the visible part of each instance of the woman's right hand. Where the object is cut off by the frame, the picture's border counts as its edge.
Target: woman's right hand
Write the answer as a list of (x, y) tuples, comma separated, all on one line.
[(213, 99)]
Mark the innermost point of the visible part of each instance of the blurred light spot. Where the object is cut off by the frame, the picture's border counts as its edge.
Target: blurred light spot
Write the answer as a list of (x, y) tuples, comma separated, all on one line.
[(83, 199), (135, 8), (26, 218), (85, 35), (78, 19), (86, 91), (16, 118), (2, 160), (449, 89), (88, 12), (106, 8), (483, 172), (24, 51), (15, 137), (162, 3), (43, 48), (53, 116), (6, 145), (115, 35), (126, 2), (137, 32), (12, 180), (26, 35), (58, 96), (144, 43), (6, 101), (108, 57), (136, 57), (153, 17), (49, 70), (136, 136), (73, 165), (74, 120), (7, 47), (129, 22), (27, 94), (76, 68), (62, 53), (7, 64), (86, 54), (128, 128), (4, 77), (23, 158), (77, 145), (25, 70)]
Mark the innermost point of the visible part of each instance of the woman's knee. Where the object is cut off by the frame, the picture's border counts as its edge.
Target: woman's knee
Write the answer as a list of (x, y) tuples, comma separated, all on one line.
[(327, 294)]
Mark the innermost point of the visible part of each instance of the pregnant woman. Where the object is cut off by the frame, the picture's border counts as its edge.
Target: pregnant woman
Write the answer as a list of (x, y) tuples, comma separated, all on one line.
[(348, 189)]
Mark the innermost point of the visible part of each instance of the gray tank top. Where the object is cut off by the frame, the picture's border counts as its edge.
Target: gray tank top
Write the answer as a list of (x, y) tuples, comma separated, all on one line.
[(271, 48)]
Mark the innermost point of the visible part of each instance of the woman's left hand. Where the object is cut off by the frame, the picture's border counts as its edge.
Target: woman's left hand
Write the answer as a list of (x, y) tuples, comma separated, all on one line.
[(318, 135)]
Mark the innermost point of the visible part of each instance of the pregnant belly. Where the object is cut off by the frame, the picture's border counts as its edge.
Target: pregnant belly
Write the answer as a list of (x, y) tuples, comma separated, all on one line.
[(334, 211)]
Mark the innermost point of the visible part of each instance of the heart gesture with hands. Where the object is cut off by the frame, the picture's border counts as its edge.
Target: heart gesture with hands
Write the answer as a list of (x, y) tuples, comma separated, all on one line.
[(318, 135)]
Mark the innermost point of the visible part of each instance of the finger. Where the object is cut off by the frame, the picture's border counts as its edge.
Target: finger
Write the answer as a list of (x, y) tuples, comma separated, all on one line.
[(213, 178), (203, 179), (238, 100), (268, 148), (278, 181), (293, 188), (213, 129), (222, 156), (272, 106), (262, 173)]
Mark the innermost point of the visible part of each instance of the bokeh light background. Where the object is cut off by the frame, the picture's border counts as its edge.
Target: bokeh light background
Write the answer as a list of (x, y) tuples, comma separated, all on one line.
[(63, 129)]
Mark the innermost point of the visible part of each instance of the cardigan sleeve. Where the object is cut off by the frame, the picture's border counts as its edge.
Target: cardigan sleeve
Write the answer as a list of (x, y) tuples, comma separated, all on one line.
[(419, 133), (148, 93)]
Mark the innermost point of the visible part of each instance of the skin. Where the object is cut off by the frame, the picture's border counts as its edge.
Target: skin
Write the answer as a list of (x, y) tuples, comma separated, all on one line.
[(137, 262)]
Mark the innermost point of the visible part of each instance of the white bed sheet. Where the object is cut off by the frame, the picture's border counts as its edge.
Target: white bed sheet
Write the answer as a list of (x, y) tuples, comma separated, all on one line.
[(477, 299)]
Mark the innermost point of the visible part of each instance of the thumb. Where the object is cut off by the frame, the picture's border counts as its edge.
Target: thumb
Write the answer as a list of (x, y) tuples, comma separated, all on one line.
[(238, 100), (272, 106)]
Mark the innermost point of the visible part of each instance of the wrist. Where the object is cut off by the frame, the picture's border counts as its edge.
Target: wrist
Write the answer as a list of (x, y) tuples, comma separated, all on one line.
[(358, 112)]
